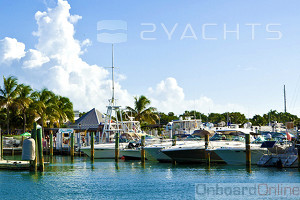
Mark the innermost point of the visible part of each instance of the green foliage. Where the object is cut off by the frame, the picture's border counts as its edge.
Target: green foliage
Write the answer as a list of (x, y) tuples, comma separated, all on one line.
[(282, 117), (20, 106), (194, 114), (164, 119), (258, 120), (141, 111)]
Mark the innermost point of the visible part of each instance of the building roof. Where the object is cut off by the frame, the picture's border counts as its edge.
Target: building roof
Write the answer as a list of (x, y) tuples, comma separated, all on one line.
[(91, 119)]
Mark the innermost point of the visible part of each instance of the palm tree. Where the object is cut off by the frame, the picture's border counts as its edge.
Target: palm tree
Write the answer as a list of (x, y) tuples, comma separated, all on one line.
[(141, 111), (23, 101), (43, 105), (64, 109), (8, 95)]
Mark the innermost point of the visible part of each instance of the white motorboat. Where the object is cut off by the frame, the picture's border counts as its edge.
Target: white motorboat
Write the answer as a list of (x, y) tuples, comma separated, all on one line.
[(237, 155), (154, 152), (195, 153), (103, 151)]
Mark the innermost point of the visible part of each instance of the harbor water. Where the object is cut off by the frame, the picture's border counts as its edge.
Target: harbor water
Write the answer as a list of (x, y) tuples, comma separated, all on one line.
[(80, 178)]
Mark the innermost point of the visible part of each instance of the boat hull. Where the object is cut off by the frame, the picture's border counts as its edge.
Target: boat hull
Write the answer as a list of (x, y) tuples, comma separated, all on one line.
[(131, 154), (101, 153), (238, 156), (156, 154), (195, 155)]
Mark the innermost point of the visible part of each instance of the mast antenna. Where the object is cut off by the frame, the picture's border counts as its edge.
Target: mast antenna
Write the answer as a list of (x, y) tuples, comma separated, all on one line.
[(112, 74), (284, 93)]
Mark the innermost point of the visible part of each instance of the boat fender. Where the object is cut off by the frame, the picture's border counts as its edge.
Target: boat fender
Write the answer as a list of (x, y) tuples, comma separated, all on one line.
[(28, 149)]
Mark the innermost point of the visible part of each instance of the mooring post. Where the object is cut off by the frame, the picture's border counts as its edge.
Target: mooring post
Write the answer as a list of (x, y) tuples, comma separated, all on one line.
[(51, 143), (40, 149), (72, 145), (207, 153), (22, 140), (298, 155), (117, 140), (174, 140), (1, 145), (92, 145), (33, 164), (143, 148), (248, 150)]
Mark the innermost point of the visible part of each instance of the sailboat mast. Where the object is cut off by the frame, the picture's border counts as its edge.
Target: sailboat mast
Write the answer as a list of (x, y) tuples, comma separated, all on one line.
[(112, 74), (284, 98)]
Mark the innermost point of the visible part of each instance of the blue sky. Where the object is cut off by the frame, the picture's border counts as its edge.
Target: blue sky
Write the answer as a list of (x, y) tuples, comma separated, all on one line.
[(210, 75)]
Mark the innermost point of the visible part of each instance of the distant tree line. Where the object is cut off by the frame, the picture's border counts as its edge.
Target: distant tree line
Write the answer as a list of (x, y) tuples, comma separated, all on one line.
[(20, 106), (233, 117)]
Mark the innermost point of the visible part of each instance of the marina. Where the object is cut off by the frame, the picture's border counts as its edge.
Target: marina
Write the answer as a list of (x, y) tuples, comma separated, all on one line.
[(106, 179), (126, 100)]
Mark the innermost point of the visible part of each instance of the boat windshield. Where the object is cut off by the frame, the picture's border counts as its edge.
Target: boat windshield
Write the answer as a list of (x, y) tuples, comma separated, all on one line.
[(227, 137)]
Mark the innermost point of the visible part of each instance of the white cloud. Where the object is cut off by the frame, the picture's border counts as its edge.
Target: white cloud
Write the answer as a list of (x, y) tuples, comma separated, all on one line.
[(74, 18), (34, 59), (168, 96), (11, 49), (55, 63)]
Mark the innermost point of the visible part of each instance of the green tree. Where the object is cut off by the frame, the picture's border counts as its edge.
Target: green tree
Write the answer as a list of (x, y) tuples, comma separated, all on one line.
[(216, 118), (194, 114), (235, 117), (44, 106), (8, 95), (164, 119), (23, 101), (141, 111), (64, 109), (258, 120)]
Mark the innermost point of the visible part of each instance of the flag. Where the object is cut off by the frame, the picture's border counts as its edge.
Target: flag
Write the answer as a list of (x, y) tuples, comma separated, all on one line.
[(288, 136)]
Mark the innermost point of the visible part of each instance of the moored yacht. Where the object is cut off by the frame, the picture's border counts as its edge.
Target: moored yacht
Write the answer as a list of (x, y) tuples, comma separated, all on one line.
[(195, 153), (237, 155)]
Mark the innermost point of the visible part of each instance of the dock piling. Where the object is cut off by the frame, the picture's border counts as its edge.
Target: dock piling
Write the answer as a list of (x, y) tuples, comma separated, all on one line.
[(143, 148), (248, 150), (174, 140), (117, 138), (33, 164), (1, 145), (51, 143), (92, 145), (40, 150), (207, 153), (72, 145)]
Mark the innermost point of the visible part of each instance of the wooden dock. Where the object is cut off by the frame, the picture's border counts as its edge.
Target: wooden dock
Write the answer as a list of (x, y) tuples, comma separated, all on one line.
[(14, 165)]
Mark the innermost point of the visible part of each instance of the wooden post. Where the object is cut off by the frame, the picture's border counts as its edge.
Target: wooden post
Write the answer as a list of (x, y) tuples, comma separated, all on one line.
[(51, 143), (1, 145), (117, 138), (248, 150), (298, 155), (174, 140), (33, 164), (207, 153), (22, 140), (92, 146), (40, 149), (143, 149), (72, 145)]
